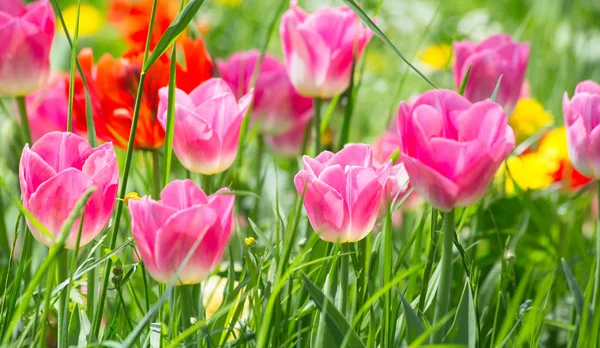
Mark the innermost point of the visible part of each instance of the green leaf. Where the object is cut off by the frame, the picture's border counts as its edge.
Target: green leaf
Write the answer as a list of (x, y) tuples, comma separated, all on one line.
[(172, 33), (340, 328), (495, 93), (414, 326), (573, 287), (464, 327), (463, 84), (363, 16)]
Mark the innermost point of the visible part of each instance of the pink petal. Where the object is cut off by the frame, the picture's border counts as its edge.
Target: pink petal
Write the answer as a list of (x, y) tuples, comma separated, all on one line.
[(182, 194), (325, 207), (33, 171), (53, 202), (353, 155), (177, 238), (588, 86), (364, 210), (436, 189), (181, 98), (147, 218), (62, 150), (212, 88)]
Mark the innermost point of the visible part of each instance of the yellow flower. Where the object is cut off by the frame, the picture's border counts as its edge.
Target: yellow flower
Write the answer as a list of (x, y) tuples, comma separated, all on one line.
[(130, 196), (250, 241), (436, 57), (90, 19), (230, 3), (530, 171), (553, 145), (528, 118)]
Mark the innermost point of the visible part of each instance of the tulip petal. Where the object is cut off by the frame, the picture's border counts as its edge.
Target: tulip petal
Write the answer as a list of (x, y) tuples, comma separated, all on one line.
[(177, 238), (588, 86), (33, 171), (364, 209), (353, 155), (325, 207), (62, 150), (182, 194), (212, 88), (147, 218), (54, 201), (435, 188)]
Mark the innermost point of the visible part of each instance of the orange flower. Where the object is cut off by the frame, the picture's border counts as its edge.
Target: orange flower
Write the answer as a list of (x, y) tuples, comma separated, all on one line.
[(198, 65), (113, 84), (132, 19)]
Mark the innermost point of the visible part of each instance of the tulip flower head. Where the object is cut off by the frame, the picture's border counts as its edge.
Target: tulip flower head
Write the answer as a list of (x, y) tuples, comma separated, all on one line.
[(497, 55), (343, 192), (113, 85), (452, 148), (54, 174), (47, 108), (582, 122), (184, 221), (26, 33), (207, 125), (319, 48), (277, 106)]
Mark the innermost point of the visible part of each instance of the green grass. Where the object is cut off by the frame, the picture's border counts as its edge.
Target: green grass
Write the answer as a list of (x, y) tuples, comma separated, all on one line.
[(523, 270)]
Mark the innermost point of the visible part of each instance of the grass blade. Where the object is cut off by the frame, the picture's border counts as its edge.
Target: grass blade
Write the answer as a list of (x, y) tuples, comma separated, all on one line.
[(363, 16), (340, 328)]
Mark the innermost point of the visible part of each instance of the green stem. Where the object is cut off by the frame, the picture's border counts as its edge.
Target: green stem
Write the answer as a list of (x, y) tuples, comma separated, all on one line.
[(24, 119), (257, 175), (187, 308), (345, 270), (155, 174), (317, 124), (91, 287), (49, 282), (63, 305), (123, 191), (207, 183), (430, 258), (345, 133), (445, 285), (597, 272)]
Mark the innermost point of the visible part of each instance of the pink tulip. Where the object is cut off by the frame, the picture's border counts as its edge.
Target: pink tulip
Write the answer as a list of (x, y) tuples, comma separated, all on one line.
[(277, 105), (498, 55), (26, 33), (386, 146), (343, 192), (451, 148), (207, 125), (184, 218), (289, 144), (319, 47), (55, 173), (582, 121), (47, 108)]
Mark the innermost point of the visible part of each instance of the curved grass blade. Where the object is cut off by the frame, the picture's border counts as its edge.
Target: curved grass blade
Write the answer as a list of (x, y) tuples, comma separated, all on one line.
[(363, 16), (341, 330), (172, 33)]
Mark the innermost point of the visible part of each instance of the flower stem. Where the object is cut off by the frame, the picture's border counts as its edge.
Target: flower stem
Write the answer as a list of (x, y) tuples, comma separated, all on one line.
[(317, 124), (24, 119), (344, 278), (187, 308), (63, 311), (155, 174), (597, 272), (445, 285)]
